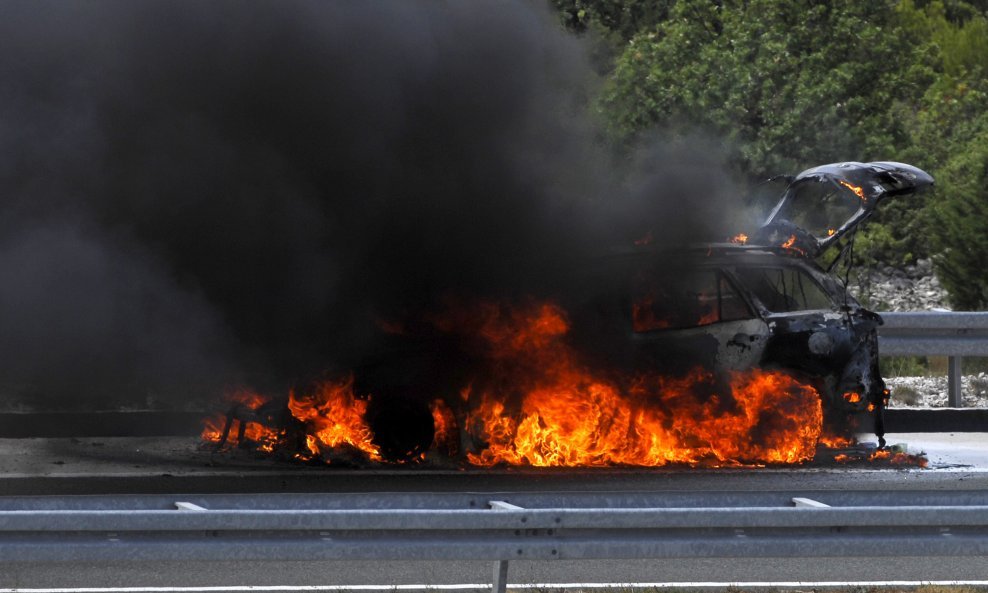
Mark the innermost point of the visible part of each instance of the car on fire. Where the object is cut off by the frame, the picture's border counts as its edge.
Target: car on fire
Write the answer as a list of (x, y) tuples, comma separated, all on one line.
[(765, 301), (759, 301)]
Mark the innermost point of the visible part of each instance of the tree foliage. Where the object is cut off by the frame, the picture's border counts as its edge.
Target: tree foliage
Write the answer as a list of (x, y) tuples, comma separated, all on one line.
[(794, 83), (955, 126), (951, 131), (786, 83)]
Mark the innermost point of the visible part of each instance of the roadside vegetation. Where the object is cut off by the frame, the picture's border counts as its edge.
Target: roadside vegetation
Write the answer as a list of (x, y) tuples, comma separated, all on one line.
[(789, 84)]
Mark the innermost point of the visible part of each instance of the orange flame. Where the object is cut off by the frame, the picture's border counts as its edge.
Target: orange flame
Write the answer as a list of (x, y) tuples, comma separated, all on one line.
[(335, 417), (858, 191), (643, 315), (569, 415), (739, 239), (541, 404), (882, 457), (790, 244), (446, 439), (835, 441), (263, 437), (897, 458), (331, 417)]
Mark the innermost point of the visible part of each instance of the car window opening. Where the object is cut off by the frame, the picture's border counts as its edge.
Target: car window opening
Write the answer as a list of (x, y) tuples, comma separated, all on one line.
[(681, 301), (784, 290), (820, 207)]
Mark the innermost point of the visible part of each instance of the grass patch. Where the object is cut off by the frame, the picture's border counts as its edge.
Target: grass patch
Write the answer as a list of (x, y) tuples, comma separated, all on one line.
[(906, 366), (928, 366)]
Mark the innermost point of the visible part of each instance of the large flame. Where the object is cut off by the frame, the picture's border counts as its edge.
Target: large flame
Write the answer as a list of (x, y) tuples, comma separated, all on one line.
[(569, 415), (334, 417), (538, 402), (329, 417)]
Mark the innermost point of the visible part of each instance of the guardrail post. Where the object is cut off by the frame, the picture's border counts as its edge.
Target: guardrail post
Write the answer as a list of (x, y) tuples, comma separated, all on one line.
[(500, 583), (954, 386), (500, 576)]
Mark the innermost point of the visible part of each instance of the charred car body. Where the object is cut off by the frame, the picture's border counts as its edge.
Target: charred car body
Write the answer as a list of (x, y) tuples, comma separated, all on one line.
[(762, 301), (822, 208), (765, 301), (744, 305)]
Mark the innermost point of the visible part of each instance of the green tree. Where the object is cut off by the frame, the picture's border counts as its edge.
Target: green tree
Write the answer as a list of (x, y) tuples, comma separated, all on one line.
[(610, 23), (951, 132), (621, 19), (787, 83), (955, 125), (790, 84)]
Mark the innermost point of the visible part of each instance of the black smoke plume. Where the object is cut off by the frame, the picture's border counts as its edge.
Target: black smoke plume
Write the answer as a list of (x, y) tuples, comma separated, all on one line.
[(200, 194)]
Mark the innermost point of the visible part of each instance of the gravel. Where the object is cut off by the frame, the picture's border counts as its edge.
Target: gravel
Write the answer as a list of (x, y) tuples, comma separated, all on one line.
[(931, 392), (910, 288)]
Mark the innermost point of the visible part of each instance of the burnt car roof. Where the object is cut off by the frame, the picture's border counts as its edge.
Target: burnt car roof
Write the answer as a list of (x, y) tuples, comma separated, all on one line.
[(699, 253)]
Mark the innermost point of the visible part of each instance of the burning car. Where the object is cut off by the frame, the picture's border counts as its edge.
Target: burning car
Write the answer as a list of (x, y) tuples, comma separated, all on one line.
[(766, 302), (745, 351)]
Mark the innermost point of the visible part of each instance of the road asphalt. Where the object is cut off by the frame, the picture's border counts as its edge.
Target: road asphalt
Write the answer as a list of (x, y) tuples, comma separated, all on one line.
[(36, 467)]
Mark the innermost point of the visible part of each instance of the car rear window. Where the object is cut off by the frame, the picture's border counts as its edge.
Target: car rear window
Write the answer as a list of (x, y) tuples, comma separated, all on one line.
[(690, 299), (820, 207), (784, 289)]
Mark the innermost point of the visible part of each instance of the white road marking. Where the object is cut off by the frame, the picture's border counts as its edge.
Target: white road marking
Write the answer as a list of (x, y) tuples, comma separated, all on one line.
[(476, 586)]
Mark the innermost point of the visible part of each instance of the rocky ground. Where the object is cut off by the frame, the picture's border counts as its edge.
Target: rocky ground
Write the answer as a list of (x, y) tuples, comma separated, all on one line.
[(911, 288), (931, 392)]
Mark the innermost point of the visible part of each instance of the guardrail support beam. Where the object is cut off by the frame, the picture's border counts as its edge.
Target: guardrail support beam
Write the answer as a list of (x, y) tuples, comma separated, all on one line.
[(500, 577), (500, 582), (954, 388)]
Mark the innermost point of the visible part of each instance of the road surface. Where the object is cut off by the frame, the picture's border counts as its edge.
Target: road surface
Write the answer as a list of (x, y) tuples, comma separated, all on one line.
[(168, 465)]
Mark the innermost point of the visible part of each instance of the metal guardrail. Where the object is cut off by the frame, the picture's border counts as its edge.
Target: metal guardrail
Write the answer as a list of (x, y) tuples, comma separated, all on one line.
[(501, 532), (936, 333)]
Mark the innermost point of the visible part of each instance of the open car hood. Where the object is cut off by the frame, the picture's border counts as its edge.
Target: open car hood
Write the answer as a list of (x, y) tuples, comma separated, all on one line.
[(823, 204)]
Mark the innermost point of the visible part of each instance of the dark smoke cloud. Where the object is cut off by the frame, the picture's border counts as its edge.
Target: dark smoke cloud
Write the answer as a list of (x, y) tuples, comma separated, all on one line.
[(197, 194)]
